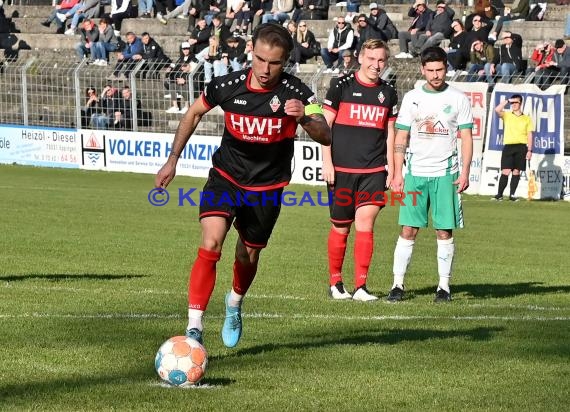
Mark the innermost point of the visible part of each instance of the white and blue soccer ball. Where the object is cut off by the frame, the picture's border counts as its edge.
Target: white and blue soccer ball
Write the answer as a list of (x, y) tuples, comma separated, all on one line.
[(181, 361)]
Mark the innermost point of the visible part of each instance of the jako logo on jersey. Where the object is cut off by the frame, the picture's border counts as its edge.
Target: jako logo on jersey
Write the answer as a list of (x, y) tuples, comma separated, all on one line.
[(240, 101), (260, 129), (366, 115), (274, 104), (357, 94)]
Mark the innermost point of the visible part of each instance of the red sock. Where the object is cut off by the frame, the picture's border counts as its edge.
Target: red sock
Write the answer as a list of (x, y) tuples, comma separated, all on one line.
[(363, 248), (337, 249), (244, 273), (202, 279)]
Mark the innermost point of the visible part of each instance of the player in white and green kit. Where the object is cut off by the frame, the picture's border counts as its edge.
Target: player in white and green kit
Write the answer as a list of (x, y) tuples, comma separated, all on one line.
[(431, 116)]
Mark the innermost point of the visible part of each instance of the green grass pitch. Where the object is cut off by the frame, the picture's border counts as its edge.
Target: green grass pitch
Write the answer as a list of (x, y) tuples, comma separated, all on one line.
[(93, 279)]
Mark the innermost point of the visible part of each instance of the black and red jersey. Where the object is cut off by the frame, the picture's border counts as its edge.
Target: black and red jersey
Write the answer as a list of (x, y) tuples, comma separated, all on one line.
[(359, 132), (257, 143)]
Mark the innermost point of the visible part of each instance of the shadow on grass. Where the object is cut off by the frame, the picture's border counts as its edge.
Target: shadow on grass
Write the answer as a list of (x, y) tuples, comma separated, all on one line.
[(50, 387), (59, 277), (382, 337), (498, 290)]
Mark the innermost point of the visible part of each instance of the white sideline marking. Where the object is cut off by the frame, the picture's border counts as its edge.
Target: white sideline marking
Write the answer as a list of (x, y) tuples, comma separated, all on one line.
[(11, 285), (293, 316)]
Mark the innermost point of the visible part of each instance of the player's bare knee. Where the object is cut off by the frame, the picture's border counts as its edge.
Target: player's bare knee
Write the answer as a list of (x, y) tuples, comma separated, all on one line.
[(409, 233), (444, 234)]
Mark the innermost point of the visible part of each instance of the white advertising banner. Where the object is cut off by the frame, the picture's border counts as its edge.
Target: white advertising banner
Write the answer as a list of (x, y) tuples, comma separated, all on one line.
[(119, 151), (40, 146), (307, 164), (546, 109), (477, 94)]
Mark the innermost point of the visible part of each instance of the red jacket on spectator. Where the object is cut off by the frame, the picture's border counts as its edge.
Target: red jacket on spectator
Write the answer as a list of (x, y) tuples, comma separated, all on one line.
[(68, 4)]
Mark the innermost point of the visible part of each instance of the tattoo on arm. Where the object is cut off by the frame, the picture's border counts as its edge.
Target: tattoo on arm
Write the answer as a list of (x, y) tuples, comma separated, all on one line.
[(400, 148)]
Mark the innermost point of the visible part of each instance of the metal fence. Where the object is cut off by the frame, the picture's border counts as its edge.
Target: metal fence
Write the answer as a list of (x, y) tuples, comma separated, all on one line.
[(55, 93)]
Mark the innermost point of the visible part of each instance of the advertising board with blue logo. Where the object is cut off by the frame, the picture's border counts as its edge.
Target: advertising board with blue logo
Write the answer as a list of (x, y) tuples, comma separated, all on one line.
[(546, 109), (40, 146)]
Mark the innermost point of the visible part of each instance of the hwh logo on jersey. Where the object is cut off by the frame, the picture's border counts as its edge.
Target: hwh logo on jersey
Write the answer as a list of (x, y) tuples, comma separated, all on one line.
[(354, 114), (259, 129)]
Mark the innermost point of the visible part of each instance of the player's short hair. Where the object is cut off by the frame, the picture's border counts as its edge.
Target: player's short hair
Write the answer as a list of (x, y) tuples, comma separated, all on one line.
[(274, 35), (433, 54), (518, 97), (373, 44)]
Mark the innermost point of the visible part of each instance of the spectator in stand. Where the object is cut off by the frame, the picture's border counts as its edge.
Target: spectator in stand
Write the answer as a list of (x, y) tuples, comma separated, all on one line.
[(197, 11), (199, 37), (259, 9), (508, 60), (234, 51), (153, 55), (420, 15), (362, 32), (340, 38), (162, 8), (58, 14), (181, 11), (91, 106), (306, 46), (348, 64), (215, 8), (125, 60), (212, 56), (315, 10), (558, 67), (89, 36), (520, 12), (120, 10), (145, 8), (383, 28), (279, 12), (437, 29), (479, 30), (107, 103), (85, 9), (106, 43), (247, 56), (482, 55), (123, 115), (541, 56), (243, 18), (176, 80), (458, 50)]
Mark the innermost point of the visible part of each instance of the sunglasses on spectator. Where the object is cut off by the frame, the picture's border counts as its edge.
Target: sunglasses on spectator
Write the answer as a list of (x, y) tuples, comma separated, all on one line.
[(302, 25), (361, 21), (340, 22)]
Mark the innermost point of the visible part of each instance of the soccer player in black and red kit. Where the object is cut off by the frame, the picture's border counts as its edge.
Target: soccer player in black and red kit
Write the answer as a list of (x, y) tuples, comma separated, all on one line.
[(262, 106), (361, 109)]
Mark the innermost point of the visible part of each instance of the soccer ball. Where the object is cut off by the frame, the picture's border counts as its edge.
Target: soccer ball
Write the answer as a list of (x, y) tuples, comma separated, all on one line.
[(181, 361)]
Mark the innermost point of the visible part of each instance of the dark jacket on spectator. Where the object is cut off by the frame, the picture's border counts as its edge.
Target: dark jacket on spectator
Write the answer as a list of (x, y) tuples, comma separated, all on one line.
[(420, 21), (382, 26), (319, 12), (152, 52), (90, 36), (441, 23), (201, 37), (108, 36), (511, 54)]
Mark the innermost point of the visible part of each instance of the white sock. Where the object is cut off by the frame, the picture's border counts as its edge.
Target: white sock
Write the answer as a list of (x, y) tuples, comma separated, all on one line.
[(402, 257), (445, 252), (235, 299), (195, 319)]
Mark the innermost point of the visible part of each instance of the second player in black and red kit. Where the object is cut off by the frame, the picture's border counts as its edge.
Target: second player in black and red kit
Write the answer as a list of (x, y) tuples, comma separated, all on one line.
[(361, 110), (262, 106)]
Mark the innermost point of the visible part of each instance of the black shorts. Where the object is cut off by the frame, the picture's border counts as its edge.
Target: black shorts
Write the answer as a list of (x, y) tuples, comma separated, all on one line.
[(514, 157), (352, 190), (254, 213)]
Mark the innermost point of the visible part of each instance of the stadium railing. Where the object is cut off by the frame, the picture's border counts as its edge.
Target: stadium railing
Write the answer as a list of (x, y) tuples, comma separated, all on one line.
[(52, 92)]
